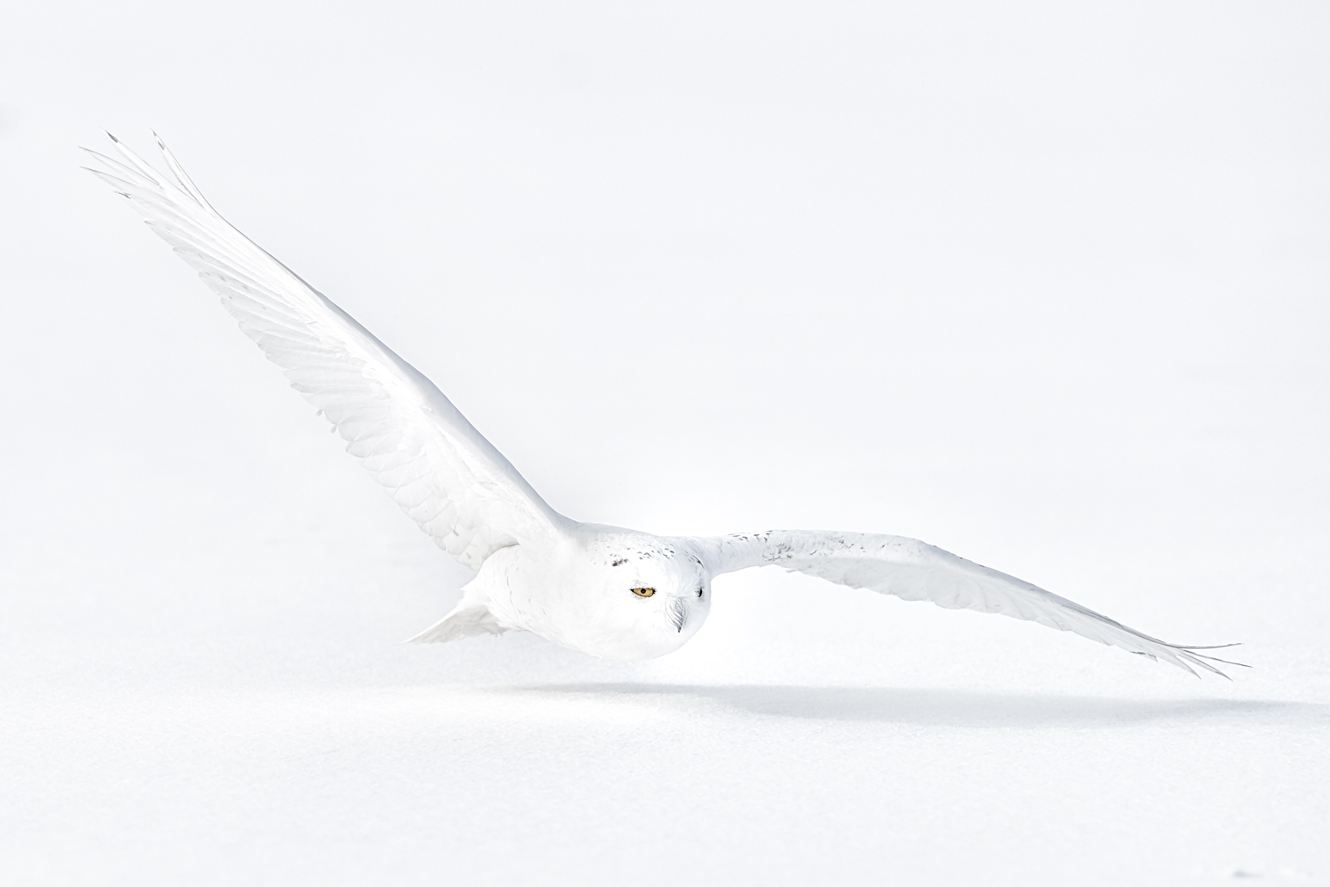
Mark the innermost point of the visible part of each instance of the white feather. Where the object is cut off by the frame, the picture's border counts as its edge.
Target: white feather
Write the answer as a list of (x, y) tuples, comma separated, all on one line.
[(442, 472), (917, 571)]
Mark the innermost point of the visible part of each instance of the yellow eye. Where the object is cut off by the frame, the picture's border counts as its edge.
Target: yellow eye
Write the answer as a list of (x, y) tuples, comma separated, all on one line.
[(644, 592)]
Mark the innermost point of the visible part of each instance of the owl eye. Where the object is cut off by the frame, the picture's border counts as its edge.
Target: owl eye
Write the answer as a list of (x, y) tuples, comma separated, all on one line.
[(644, 592)]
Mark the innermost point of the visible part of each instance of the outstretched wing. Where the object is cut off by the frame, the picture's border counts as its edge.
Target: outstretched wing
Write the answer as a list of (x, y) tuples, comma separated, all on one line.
[(916, 571), (442, 472)]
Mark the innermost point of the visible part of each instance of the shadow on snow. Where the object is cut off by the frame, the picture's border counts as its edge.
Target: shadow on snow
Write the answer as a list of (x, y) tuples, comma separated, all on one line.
[(958, 708)]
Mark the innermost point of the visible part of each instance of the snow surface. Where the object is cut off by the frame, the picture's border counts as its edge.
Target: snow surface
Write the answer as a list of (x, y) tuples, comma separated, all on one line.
[(1042, 285)]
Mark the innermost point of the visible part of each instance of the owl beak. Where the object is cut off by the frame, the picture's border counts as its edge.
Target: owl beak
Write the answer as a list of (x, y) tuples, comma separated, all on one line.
[(678, 614)]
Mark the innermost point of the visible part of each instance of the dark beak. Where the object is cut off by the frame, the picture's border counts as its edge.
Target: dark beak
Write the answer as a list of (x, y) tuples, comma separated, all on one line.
[(678, 614)]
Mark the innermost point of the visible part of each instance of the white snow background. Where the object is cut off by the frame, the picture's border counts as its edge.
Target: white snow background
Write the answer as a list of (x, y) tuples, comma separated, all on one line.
[(1044, 284)]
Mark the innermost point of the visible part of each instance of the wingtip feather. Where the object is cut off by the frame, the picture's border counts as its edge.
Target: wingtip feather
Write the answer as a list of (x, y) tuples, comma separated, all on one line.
[(182, 178)]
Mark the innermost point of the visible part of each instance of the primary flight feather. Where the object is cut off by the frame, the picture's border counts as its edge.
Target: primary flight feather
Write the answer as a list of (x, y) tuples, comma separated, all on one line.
[(602, 590)]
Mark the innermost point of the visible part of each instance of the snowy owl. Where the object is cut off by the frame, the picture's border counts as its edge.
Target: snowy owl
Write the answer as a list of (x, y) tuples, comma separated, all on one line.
[(602, 590)]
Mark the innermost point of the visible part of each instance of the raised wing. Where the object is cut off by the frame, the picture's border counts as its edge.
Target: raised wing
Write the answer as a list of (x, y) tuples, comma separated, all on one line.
[(916, 571), (442, 472)]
